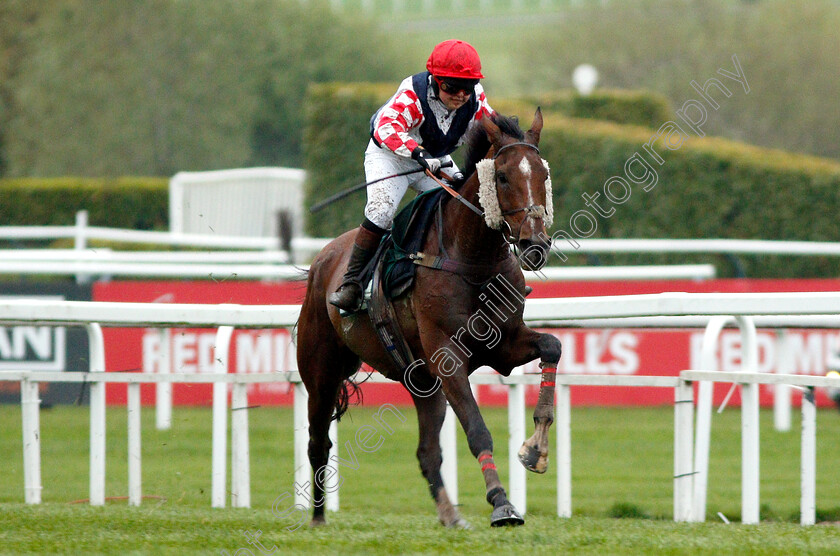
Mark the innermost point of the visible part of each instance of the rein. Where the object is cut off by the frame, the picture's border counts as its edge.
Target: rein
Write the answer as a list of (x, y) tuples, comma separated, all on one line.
[(457, 195), (477, 210)]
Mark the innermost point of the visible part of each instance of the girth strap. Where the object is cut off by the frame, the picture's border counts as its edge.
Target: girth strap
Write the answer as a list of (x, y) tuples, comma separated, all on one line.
[(456, 267), (384, 318)]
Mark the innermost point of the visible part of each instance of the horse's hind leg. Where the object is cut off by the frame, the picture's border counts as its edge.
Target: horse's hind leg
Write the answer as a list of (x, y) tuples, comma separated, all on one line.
[(324, 364), (431, 411)]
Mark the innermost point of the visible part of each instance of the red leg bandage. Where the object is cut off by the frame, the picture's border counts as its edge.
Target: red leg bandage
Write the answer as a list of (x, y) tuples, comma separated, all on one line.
[(548, 375), (486, 461)]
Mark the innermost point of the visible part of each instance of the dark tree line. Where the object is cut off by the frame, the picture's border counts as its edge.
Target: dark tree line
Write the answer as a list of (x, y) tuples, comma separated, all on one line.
[(95, 87)]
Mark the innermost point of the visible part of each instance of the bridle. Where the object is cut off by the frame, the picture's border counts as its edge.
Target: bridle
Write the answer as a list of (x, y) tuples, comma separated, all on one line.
[(532, 211)]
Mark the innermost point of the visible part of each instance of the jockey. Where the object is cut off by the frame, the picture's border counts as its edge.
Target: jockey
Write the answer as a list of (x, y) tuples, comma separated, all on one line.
[(423, 123)]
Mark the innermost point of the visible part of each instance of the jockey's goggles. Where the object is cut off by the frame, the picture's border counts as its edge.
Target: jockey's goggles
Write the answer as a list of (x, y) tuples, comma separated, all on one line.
[(453, 86)]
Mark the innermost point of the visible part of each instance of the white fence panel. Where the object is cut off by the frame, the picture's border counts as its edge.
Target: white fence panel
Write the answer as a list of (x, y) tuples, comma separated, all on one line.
[(237, 202)]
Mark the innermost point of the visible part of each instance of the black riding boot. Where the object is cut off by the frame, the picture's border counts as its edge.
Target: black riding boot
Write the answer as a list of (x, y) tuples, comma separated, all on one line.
[(349, 295)]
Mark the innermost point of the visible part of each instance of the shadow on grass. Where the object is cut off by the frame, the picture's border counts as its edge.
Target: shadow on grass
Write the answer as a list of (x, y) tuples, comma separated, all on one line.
[(626, 510)]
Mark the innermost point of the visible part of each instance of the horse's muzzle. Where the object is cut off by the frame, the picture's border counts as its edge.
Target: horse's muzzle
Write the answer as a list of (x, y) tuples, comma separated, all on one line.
[(532, 255)]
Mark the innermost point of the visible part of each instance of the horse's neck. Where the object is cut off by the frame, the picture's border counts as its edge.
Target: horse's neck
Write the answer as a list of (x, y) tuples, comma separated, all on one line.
[(466, 237)]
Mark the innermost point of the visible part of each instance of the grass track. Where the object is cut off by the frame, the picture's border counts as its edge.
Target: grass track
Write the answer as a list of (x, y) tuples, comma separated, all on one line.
[(622, 461)]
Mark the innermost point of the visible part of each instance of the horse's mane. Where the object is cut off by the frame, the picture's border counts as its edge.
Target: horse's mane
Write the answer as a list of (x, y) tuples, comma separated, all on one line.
[(477, 144)]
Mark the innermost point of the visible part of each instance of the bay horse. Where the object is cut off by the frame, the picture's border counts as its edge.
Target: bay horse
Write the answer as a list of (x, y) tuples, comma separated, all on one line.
[(454, 320)]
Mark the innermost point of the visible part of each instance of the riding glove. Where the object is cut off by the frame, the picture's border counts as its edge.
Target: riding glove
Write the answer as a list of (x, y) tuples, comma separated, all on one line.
[(427, 161)]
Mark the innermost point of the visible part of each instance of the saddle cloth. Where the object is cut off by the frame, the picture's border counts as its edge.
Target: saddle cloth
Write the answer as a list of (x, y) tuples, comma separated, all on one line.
[(406, 238)]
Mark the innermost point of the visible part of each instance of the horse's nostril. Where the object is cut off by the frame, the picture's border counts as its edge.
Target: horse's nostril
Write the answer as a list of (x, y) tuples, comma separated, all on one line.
[(532, 256)]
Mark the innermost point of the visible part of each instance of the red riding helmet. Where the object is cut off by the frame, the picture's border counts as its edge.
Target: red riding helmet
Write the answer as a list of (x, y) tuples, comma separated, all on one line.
[(454, 59)]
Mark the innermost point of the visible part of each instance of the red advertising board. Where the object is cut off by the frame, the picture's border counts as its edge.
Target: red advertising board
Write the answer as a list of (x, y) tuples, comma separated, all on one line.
[(585, 351)]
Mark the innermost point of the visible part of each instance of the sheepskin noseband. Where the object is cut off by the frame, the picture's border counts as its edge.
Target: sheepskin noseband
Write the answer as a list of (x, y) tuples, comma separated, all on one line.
[(488, 197)]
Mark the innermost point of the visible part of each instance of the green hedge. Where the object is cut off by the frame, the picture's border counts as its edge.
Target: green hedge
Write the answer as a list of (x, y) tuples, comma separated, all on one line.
[(643, 108), (707, 188), (140, 203)]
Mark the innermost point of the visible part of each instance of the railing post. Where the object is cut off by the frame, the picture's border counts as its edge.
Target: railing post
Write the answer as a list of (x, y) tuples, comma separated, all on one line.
[(782, 392), (31, 425), (163, 390), (80, 241), (239, 445), (705, 391), (135, 477), (219, 470), (331, 484), (516, 437), (708, 361), (749, 454), (808, 464), (97, 416), (683, 475), (563, 423), (448, 444), (749, 422), (303, 474)]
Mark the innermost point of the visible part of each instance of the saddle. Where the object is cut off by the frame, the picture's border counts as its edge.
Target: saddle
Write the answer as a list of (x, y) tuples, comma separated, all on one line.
[(406, 239), (392, 270)]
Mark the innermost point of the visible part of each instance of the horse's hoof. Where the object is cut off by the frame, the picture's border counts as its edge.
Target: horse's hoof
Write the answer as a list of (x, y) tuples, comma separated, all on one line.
[(505, 515), (317, 522), (530, 457)]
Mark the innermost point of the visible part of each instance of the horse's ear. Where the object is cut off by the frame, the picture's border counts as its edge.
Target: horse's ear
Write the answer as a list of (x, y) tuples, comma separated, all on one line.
[(492, 130), (533, 134)]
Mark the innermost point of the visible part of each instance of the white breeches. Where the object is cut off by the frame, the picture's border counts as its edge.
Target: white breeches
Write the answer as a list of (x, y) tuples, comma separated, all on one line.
[(383, 198)]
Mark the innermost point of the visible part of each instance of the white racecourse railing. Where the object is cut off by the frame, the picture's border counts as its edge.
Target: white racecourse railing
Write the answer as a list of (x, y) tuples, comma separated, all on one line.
[(93, 315), (750, 435), (773, 306), (303, 247), (81, 234), (270, 265)]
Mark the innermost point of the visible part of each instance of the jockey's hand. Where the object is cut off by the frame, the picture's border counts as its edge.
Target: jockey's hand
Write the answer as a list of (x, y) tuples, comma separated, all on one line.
[(458, 177), (427, 161)]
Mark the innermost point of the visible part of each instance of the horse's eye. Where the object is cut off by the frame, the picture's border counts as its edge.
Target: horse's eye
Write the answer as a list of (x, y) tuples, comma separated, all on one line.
[(502, 179)]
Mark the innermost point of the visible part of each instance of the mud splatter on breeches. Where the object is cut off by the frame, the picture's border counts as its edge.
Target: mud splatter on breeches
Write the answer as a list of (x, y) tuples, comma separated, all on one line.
[(383, 198)]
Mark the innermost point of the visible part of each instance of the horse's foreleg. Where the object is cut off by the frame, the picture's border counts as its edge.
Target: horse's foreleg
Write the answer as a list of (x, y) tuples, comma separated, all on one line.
[(431, 411), (459, 394), (534, 452)]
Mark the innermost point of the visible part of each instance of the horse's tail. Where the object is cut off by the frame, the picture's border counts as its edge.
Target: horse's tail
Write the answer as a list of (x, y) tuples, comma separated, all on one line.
[(346, 392), (302, 280)]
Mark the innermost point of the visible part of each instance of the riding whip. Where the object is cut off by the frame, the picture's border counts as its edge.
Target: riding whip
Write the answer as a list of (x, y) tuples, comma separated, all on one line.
[(349, 191)]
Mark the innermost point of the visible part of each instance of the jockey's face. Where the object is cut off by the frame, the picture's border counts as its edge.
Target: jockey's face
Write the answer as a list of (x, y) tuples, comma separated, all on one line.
[(453, 93), (454, 101)]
